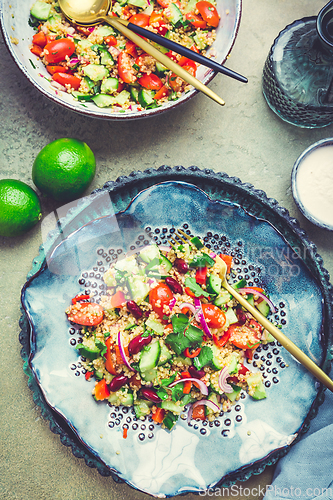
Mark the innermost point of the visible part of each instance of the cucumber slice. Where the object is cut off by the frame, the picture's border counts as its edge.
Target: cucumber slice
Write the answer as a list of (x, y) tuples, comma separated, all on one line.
[(106, 58), (233, 395), (146, 97), (91, 352), (256, 386), (134, 93), (103, 100), (81, 97), (165, 264), (231, 316), (122, 397), (212, 397), (171, 406), (155, 325), (41, 10), (149, 253), (138, 287), (141, 408), (250, 299), (95, 72), (214, 284), (223, 298), (149, 375), (240, 284), (216, 361), (264, 308), (149, 356), (165, 355)]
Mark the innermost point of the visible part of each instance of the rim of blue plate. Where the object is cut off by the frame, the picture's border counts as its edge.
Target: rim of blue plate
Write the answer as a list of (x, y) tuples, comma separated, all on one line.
[(216, 186), (297, 166)]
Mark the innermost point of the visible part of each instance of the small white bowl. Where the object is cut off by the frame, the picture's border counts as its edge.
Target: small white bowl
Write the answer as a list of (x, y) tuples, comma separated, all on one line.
[(17, 33), (312, 183)]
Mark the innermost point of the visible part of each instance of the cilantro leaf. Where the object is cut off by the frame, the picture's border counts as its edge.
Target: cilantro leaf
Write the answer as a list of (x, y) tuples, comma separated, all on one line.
[(177, 342), (194, 334), (202, 260), (195, 288), (162, 393), (169, 420), (204, 358), (179, 323), (177, 392), (167, 381)]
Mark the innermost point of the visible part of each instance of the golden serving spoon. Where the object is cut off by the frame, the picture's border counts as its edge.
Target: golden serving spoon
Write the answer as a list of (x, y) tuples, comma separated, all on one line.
[(90, 12), (276, 332)]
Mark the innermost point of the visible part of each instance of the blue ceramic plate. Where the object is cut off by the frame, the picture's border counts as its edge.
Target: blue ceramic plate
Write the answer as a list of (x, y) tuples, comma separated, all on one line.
[(195, 456)]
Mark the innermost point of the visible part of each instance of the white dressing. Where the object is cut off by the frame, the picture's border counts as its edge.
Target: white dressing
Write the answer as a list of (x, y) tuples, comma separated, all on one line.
[(314, 181)]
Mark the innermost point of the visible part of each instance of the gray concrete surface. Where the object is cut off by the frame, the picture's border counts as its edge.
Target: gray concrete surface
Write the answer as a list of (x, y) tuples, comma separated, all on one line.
[(244, 139)]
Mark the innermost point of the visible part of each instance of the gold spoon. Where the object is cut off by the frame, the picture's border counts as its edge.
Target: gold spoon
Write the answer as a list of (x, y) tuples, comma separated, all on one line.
[(89, 12), (276, 332)]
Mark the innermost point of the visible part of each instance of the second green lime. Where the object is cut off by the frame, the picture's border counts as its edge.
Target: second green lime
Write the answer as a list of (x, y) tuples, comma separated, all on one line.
[(64, 169)]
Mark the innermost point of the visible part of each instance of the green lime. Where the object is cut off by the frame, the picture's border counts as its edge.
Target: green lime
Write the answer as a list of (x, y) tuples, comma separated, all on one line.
[(64, 169), (19, 207)]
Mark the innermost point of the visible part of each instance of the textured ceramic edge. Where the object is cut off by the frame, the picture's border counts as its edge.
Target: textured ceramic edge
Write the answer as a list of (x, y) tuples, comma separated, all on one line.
[(222, 47), (296, 167), (222, 186)]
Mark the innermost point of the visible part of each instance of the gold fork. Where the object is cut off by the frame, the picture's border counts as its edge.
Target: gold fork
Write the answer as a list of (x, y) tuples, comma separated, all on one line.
[(181, 235)]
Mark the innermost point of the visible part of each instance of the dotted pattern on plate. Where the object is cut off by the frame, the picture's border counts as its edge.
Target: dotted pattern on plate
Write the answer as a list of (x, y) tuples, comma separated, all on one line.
[(267, 358)]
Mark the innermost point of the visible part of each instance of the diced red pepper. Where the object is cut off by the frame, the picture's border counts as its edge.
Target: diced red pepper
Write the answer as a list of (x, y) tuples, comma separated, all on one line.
[(228, 260), (220, 342), (39, 39), (101, 390), (109, 365), (158, 415), (192, 354), (118, 299), (80, 297), (88, 375)]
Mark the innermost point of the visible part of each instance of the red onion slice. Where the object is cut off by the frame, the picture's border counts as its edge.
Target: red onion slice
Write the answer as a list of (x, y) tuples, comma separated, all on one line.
[(202, 318), (255, 292), (172, 303), (189, 306), (202, 386), (212, 255), (205, 402), (223, 385), (122, 351)]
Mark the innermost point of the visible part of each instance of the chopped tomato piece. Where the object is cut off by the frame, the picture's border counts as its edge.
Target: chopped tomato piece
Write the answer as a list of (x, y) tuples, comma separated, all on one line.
[(163, 92), (131, 48), (164, 3), (199, 413), (150, 82), (158, 22), (189, 292), (53, 68), (37, 50), (176, 82), (201, 275), (118, 299), (39, 39), (140, 20), (213, 315), (243, 337), (101, 390), (196, 20), (110, 40), (159, 297), (208, 12), (158, 415), (86, 314), (57, 50), (66, 79), (172, 55), (125, 68)]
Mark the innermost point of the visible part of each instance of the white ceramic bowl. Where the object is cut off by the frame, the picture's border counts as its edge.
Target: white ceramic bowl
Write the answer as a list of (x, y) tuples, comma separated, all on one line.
[(312, 183), (14, 17)]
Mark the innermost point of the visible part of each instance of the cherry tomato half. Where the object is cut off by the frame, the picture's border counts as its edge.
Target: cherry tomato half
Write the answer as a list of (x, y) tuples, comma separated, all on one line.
[(86, 314), (196, 20), (244, 337), (125, 68), (140, 20), (57, 50), (160, 296), (55, 68), (213, 315), (66, 79), (208, 12), (150, 82)]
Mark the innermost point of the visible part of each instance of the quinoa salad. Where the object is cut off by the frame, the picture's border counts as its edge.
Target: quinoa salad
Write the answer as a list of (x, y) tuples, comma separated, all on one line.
[(100, 65), (167, 337)]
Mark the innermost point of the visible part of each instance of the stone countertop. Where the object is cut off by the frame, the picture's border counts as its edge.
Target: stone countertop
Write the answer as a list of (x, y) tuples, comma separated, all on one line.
[(243, 139)]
